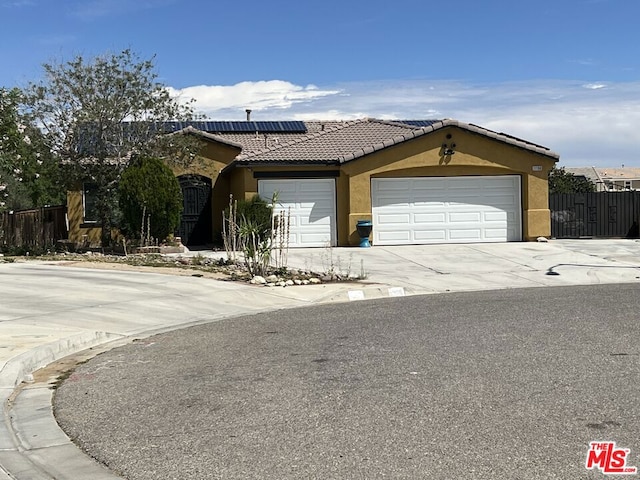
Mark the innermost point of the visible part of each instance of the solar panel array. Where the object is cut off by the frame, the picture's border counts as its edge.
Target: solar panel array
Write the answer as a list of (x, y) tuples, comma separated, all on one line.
[(240, 127)]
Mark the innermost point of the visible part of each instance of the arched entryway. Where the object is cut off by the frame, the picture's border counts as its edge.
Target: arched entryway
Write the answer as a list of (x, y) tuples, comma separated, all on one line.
[(195, 224)]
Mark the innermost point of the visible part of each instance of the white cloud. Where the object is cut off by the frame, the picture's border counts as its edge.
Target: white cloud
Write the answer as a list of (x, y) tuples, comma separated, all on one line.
[(595, 86), (214, 100), (587, 124)]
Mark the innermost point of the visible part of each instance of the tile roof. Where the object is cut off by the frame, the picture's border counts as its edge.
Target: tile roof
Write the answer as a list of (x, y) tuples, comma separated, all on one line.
[(626, 173), (331, 145), (602, 174), (339, 142)]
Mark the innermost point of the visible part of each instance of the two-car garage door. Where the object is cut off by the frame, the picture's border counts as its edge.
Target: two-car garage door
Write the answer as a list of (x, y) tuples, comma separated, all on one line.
[(422, 210)]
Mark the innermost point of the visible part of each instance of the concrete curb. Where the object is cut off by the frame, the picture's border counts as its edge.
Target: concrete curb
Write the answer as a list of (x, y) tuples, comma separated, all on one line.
[(36, 449)]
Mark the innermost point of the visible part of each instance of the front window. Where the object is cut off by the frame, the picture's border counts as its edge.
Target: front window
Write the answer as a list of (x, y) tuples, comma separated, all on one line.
[(89, 197)]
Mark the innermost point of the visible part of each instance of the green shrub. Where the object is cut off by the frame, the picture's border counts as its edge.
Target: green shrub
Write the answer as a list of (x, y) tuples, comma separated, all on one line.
[(150, 200), (257, 213)]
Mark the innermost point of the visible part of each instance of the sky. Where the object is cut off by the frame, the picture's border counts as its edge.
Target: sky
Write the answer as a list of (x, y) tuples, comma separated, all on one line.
[(561, 73)]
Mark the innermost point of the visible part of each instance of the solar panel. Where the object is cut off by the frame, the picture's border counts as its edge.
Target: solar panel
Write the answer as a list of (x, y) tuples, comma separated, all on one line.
[(219, 126), (418, 123)]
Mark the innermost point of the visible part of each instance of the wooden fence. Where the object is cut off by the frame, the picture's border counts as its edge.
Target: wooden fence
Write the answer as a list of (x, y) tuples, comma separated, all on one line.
[(37, 228), (597, 214)]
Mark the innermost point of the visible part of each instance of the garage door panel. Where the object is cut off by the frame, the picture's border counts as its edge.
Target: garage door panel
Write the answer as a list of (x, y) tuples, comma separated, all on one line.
[(389, 201), (427, 204), (497, 233), (497, 216), (501, 181), (322, 205), (390, 219), (468, 234), (315, 221), (430, 236), (425, 185), (313, 186), (465, 217), (311, 206), (400, 236), (314, 238), (283, 188), (391, 185), (420, 218), (446, 210), (501, 200)]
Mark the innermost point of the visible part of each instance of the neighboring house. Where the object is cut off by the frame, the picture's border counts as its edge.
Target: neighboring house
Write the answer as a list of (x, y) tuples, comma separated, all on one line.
[(419, 182), (609, 179)]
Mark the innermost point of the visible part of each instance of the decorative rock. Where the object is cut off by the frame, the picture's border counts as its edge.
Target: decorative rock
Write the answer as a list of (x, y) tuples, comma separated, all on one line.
[(288, 283), (542, 239), (272, 279), (306, 282), (297, 282), (270, 284), (281, 284), (315, 280), (258, 280)]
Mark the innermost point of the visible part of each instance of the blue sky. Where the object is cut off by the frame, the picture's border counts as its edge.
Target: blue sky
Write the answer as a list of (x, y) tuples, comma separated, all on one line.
[(563, 73)]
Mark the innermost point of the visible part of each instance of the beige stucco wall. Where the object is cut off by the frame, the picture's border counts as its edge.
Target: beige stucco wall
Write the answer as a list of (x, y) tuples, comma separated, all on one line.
[(78, 233)]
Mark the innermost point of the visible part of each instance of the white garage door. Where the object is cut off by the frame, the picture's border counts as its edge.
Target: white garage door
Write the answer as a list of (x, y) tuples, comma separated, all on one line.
[(312, 204), (421, 210)]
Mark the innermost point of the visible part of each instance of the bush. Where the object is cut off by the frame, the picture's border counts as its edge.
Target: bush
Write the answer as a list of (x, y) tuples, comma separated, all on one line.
[(257, 213), (150, 200), (247, 227)]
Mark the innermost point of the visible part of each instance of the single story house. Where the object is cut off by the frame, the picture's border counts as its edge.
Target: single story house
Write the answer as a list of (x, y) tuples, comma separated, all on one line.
[(608, 179), (418, 181)]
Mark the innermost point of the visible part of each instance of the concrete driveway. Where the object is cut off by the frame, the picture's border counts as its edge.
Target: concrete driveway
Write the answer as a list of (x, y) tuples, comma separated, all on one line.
[(49, 312)]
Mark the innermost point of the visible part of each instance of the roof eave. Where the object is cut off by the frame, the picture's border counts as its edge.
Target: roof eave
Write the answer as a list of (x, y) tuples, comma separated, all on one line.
[(248, 163), (210, 137)]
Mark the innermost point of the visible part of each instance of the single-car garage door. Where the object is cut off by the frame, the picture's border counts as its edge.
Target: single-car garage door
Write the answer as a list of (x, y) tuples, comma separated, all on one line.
[(422, 210), (312, 204)]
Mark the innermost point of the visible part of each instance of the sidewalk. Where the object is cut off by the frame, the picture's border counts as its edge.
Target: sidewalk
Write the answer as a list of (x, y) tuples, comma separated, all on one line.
[(48, 312)]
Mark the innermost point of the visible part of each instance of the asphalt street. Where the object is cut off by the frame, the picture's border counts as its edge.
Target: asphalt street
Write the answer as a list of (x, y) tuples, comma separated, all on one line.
[(478, 385)]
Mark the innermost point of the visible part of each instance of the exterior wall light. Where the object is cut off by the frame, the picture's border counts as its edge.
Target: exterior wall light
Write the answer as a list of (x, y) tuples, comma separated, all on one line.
[(448, 150)]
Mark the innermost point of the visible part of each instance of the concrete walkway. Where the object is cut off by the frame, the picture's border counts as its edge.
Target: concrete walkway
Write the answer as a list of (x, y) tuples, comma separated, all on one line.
[(48, 312)]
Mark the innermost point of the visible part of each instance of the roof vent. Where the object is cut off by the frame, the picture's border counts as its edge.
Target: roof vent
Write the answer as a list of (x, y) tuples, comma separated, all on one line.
[(248, 110)]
